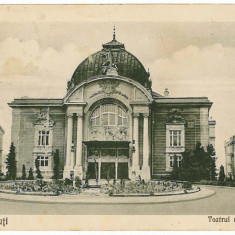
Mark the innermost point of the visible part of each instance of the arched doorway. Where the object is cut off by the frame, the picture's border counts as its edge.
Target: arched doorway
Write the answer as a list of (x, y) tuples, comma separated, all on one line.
[(108, 148)]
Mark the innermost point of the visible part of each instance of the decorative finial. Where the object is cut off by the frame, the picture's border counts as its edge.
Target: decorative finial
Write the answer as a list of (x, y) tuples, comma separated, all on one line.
[(114, 35)]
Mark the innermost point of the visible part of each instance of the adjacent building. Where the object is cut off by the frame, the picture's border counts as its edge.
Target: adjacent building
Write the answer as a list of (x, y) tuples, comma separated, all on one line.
[(110, 124), (1, 148), (229, 157)]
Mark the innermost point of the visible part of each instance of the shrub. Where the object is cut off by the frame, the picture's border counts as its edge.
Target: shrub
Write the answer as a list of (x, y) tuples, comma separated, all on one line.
[(111, 192), (151, 193), (144, 187), (56, 171), (23, 172), (30, 177), (230, 183), (39, 175), (221, 174), (11, 163), (208, 182), (78, 182), (68, 182), (187, 185)]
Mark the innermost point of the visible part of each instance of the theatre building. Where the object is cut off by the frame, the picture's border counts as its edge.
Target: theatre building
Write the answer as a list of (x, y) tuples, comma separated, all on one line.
[(110, 124)]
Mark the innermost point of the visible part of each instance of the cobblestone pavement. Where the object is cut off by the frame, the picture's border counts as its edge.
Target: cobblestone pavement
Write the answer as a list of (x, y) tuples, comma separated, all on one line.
[(220, 203)]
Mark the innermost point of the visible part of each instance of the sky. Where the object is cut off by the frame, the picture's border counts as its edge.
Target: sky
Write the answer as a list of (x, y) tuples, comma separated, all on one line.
[(191, 59)]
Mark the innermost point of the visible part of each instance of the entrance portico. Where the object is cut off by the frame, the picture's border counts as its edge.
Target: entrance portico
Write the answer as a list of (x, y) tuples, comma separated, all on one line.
[(107, 160), (108, 136)]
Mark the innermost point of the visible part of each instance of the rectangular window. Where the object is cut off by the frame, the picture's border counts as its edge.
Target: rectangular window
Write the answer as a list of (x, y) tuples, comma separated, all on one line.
[(105, 119), (179, 138), (175, 138), (119, 121), (171, 161), (111, 119), (97, 121), (171, 138), (43, 138), (108, 152), (123, 152), (124, 121), (43, 161), (178, 160)]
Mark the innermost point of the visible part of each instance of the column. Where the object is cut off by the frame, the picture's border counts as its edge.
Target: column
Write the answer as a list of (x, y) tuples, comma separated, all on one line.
[(78, 167), (146, 168), (68, 167), (72, 160), (69, 139), (135, 159), (116, 169), (99, 169), (79, 140)]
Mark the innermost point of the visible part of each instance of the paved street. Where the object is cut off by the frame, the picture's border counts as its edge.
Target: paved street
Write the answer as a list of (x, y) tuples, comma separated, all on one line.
[(221, 203)]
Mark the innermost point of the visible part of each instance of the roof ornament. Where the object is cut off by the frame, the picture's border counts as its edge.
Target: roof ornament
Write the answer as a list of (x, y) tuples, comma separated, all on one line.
[(114, 34), (109, 67)]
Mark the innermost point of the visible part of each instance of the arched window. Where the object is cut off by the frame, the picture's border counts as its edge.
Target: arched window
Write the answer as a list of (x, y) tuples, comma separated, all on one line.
[(109, 115)]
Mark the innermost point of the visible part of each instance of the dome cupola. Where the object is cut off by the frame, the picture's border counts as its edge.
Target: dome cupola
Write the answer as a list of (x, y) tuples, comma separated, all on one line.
[(112, 59)]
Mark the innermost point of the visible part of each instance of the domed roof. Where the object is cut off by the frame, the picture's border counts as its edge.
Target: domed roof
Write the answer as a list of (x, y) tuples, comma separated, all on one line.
[(113, 55)]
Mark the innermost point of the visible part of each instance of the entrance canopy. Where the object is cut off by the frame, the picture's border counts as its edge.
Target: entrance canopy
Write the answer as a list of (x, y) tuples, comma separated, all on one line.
[(107, 144)]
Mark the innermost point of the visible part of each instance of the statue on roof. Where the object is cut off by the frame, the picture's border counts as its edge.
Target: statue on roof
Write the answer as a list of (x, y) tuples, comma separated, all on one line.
[(109, 67)]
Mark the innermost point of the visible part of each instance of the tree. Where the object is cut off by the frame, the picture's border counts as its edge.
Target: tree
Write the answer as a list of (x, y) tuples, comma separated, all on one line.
[(56, 172), (30, 177), (78, 182), (198, 165), (11, 163), (221, 174), (38, 172), (211, 152), (186, 166), (23, 172)]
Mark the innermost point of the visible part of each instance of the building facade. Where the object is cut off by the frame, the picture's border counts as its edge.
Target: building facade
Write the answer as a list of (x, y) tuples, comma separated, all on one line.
[(2, 132), (229, 157), (110, 124)]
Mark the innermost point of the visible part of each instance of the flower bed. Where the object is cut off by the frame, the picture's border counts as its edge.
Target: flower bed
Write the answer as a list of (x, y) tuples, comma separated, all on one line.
[(146, 188), (125, 188), (39, 187)]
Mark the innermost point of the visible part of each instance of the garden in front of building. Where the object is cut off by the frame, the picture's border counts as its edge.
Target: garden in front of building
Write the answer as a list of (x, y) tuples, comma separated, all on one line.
[(41, 187), (197, 166), (36, 185)]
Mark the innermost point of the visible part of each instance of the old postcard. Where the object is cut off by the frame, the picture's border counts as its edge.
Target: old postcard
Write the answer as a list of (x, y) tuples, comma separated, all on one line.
[(117, 117)]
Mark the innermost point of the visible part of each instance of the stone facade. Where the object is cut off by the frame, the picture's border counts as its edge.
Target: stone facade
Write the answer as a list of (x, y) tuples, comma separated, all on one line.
[(1, 148), (229, 157), (109, 124)]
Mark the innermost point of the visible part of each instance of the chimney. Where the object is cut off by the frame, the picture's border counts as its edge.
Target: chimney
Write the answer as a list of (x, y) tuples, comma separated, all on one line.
[(166, 92)]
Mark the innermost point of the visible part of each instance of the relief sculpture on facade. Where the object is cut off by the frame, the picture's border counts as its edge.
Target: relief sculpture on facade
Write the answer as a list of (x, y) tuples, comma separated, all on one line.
[(44, 119), (109, 87), (175, 116), (109, 134)]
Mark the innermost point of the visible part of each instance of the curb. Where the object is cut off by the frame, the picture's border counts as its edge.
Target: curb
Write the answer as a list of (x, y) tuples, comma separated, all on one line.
[(204, 193), (156, 194), (216, 186)]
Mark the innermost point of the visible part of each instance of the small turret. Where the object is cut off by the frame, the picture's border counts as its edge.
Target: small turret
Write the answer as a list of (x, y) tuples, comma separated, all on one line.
[(166, 92)]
